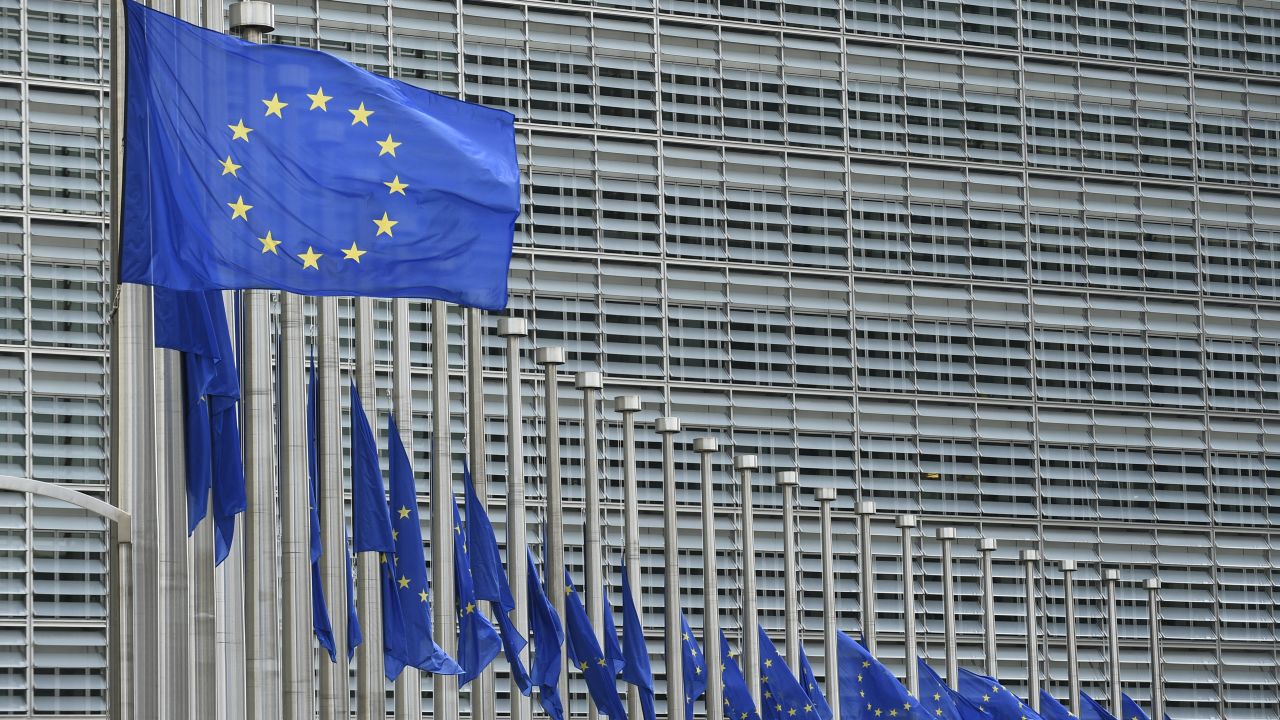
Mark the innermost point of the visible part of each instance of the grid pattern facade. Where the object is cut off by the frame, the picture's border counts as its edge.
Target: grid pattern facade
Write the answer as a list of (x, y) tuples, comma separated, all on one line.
[(1007, 264)]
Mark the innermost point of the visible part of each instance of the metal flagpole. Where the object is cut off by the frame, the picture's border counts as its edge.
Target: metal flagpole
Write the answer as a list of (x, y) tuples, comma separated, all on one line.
[(867, 582), (1029, 559), (787, 481), (550, 358), (830, 659), (173, 604), (482, 688), (704, 446), (444, 687), (987, 546), (1111, 579), (203, 671), (947, 536), (371, 700), (629, 405), (228, 599), (907, 523), (335, 677), (667, 427), (1073, 657), (744, 464), (409, 685), (1153, 624), (295, 515), (590, 383), (517, 570)]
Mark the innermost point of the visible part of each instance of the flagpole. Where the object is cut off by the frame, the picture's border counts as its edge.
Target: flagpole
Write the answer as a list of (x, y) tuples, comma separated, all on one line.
[(947, 536), (745, 464), (370, 683), (295, 515), (667, 427), (553, 551), (704, 446), (1029, 559), (907, 523), (826, 496), (408, 691), (867, 577), (335, 682), (1073, 662), (482, 688), (786, 481), (1153, 625), (590, 383), (629, 405), (203, 671), (1110, 579), (229, 654), (173, 606), (987, 547), (517, 571), (445, 687)]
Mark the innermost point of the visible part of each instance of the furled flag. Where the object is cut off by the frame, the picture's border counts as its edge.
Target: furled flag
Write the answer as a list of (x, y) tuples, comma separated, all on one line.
[(1051, 709), (988, 694), (354, 634), (737, 696), (695, 667), (781, 695), (1131, 710), (195, 323), (586, 654), (491, 581), (636, 669), (1091, 709), (943, 703), (319, 609), (416, 646), (612, 650), (868, 691), (270, 166), (478, 642), (370, 523), (548, 643), (811, 686)]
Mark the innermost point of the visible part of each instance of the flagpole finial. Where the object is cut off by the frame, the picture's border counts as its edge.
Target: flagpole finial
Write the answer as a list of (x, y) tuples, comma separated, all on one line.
[(253, 15), (549, 356), (866, 507), (1151, 583), (746, 462), (1030, 556), (588, 381), (987, 544), (825, 494), (513, 327), (626, 403), (1111, 575), (905, 521), (945, 533), (1069, 566), (705, 445), (786, 478), (668, 424)]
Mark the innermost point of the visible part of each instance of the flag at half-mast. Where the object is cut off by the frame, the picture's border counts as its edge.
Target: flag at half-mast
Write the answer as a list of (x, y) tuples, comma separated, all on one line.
[(267, 166)]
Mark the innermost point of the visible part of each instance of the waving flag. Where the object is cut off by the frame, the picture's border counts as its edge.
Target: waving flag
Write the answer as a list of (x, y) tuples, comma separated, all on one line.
[(811, 686), (1051, 709), (585, 652), (992, 697), (1090, 709), (478, 642), (737, 696), (943, 702), (319, 608), (781, 695), (695, 667), (636, 669), (868, 691), (548, 643)]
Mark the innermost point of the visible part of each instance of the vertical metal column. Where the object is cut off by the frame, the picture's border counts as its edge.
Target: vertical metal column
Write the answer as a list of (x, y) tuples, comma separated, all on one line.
[(445, 621), (830, 622), (704, 446), (1153, 625), (298, 683), (371, 700), (629, 405), (550, 358), (590, 384), (203, 671), (335, 677), (787, 481), (667, 427), (907, 523), (172, 602), (408, 692), (482, 688), (744, 464), (1030, 558), (1073, 658), (517, 569), (867, 582), (987, 546), (1111, 579), (947, 536)]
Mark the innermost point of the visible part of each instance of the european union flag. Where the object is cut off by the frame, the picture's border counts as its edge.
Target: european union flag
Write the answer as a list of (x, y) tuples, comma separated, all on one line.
[(695, 667), (354, 634), (369, 519), (1131, 710), (268, 166), (988, 694), (319, 608), (636, 668), (868, 691), (811, 686), (548, 643), (942, 702), (781, 695), (1051, 709), (612, 650), (1090, 709), (586, 654), (737, 696), (478, 642)]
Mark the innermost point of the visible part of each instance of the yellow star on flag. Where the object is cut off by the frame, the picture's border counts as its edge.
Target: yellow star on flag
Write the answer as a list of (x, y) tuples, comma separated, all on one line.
[(808, 708), (229, 167), (938, 711), (319, 100), (937, 697), (792, 711), (600, 662), (354, 253), (239, 131), (239, 209), (471, 607), (309, 258), (879, 712), (404, 511), (906, 706), (768, 663), (274, 106), (269, 243), (388, 146), (404, 581), (360, 115), (395, 534), (396, 186), (422, 595), (583, 665), (986, 698), (893, 712), (385, 225)]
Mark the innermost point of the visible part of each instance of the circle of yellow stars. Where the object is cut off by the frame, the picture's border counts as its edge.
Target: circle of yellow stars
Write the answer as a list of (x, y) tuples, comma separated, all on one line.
[(270, 244)]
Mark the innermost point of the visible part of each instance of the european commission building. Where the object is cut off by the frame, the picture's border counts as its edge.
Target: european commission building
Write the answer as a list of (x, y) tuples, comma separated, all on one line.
[(1012, 266)]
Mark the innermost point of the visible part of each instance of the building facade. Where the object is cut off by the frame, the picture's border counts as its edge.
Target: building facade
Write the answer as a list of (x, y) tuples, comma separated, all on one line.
[(1010, 265)]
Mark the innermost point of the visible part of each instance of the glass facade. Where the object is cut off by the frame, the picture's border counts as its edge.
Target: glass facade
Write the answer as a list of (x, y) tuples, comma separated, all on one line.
[(1011, 265)]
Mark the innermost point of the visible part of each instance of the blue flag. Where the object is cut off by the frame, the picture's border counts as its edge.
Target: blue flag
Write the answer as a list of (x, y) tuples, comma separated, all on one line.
[(269, 166), (695, 667), (354, 634), (415, 645), (369, 520), (548, 643), (491, 581), (585, 653), (1051, 709), (1131, 710), (612, 650), (1090, 709), (478, 642), (866, 687), (781, 695), (992, 697), (319, 609), (811, 686), (195, 323), (940, 701), (738, 704), (636, 669)]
